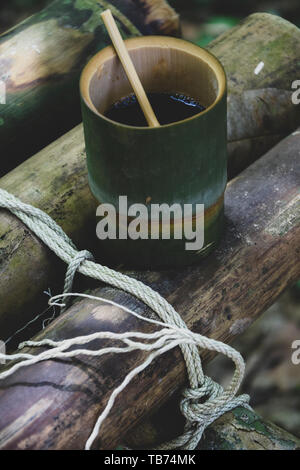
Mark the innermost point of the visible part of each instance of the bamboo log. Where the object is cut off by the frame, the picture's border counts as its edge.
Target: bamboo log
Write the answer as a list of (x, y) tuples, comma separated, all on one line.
[(55, 180), (41, 60), (54, 405), (260, 107), (240, 430)]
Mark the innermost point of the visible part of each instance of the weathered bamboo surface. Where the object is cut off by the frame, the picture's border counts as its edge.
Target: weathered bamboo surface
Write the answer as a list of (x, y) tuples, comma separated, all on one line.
[(56, 181), (260, 107), (54, 405), (41, 60)]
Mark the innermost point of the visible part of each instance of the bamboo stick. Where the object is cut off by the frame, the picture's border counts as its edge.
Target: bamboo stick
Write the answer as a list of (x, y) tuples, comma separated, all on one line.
[(129, 68)]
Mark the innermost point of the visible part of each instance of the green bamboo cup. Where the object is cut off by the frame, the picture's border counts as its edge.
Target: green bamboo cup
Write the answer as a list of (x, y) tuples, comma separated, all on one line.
[(179, 163)]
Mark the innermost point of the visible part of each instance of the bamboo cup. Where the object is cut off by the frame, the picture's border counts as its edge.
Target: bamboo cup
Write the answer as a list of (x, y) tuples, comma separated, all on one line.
[(183, 162)]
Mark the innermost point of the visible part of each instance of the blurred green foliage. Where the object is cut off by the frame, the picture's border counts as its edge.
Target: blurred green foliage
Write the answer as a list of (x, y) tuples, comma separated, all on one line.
[(213, 27), (203, 9), (204, 20)]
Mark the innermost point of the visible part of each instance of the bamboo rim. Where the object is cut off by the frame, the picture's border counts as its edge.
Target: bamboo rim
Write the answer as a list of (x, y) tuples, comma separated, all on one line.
[(134, 44)]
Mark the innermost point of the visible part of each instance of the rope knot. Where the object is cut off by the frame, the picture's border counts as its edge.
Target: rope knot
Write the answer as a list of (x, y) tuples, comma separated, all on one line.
[(195, 400), (73, 267), (206, 389)]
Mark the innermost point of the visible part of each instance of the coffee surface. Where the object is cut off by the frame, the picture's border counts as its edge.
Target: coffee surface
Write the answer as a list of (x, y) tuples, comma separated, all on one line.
[(168, 108)]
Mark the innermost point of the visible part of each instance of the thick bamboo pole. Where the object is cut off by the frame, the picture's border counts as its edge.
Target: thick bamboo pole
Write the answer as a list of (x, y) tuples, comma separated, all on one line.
[(54, 405), (55, 179), (260, 107), (41, 60)]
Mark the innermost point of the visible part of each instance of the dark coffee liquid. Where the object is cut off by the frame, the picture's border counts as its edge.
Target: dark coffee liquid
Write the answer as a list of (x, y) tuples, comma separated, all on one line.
[(168, 107)]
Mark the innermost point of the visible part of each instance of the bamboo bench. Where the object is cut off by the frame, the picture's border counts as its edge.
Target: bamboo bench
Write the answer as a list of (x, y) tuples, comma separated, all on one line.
[(54, 405)]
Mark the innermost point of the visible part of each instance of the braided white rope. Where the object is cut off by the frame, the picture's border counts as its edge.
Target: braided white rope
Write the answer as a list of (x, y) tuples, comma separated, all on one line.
[(174, 333)]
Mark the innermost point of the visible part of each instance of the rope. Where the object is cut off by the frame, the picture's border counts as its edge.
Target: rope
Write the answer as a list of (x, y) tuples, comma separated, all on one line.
[(202, 403), (73, 267)]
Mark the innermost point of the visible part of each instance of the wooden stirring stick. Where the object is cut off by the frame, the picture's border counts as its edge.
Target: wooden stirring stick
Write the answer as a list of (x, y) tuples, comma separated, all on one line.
[(129, 68)]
